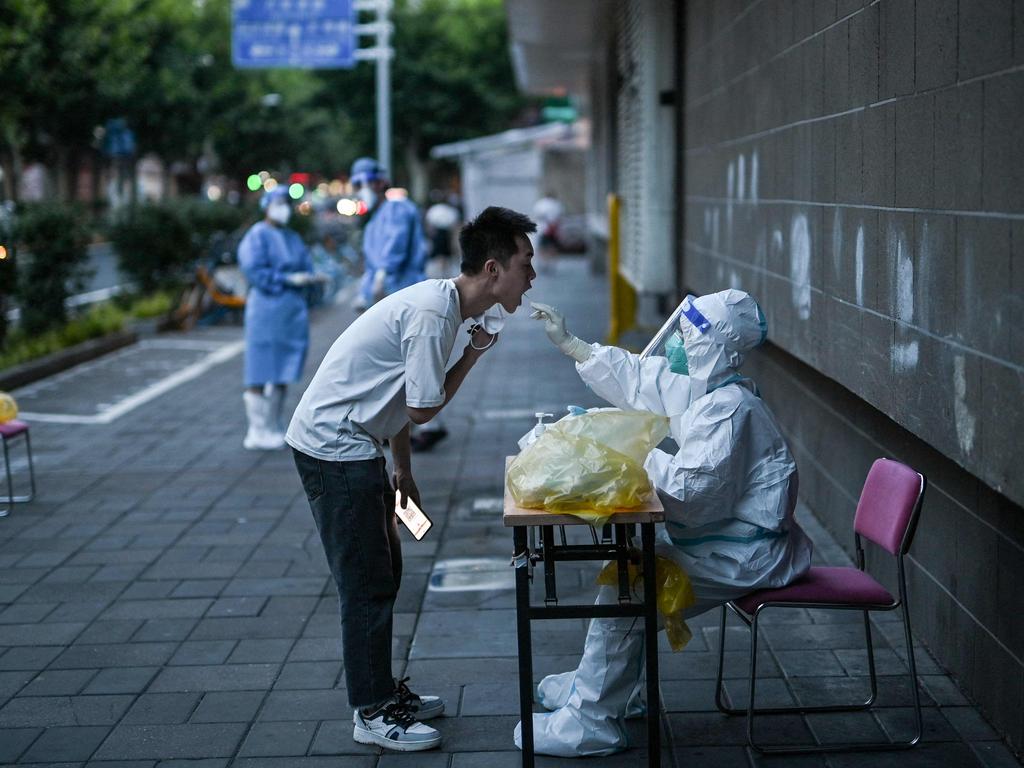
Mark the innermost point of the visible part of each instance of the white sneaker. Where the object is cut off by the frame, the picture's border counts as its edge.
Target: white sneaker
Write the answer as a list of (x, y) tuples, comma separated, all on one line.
[(393, 726)]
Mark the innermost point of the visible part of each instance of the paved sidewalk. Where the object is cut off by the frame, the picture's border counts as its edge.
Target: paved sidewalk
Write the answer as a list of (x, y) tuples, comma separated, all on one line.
[(165, 601)]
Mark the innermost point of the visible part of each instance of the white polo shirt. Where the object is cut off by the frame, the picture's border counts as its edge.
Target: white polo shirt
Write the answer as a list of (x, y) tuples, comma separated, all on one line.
[(394, 355)]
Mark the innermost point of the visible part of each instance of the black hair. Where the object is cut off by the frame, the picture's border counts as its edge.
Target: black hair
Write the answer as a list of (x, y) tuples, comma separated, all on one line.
[(492, 235)]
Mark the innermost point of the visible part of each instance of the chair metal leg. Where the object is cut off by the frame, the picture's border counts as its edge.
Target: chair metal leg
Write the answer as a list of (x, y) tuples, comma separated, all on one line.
[(10, 483), (721, 664)]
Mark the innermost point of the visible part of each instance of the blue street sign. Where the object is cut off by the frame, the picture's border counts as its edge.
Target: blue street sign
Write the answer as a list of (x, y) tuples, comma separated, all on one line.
[(302, 34)]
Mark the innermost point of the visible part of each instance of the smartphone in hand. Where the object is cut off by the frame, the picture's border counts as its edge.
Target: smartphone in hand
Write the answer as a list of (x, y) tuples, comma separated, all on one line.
[(413, 517)]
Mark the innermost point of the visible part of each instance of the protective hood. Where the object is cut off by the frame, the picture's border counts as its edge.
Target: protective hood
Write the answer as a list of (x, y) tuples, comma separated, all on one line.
[(718, 330)]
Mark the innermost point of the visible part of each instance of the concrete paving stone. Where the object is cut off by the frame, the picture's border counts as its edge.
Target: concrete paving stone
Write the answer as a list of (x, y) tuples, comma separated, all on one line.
[(334, 737), (40, 559), (228, 707), (14, 741), (29, 657), (278, 739), (66, 743), (298, 606), (250, 651), (892, 691), (49, 711), (23, 575), (191, 570), (308, 675), (786, 761), (900, 723), (770, 692), (846, 727), (199, 588), (855, 662), (160, 630), (90, 592), (492, 644), (59, 682), (809, 663), (302, 762), (56, 633), (473, 734), (323, 625), (77, 611), (155, 742), (103, 632), (12, 682), (211, 763), (969, 723), (305, 705), (703, 665), (249, 628), (428, 759), (24, 613), (198, 652), (715, 729), (261, 567), (688, 695), (161, 709), (275, 586), (117, 572), (994, 754), (114, 655), (811, 636), (157, 609), (924, 755), (228, 677), (10, 593), (943, 690), (236, 606), (316, 649), (121, 680), (427, 672), (719, 757)]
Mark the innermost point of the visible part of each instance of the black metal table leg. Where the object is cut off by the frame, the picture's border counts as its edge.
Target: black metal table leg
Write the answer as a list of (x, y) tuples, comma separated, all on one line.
[(651, 644), (525, 647)]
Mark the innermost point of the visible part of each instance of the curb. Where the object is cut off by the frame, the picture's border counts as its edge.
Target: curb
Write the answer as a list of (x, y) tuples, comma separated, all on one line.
[(26, 373)]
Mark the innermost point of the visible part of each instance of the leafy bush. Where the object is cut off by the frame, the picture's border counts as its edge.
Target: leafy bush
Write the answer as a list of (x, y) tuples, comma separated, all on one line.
[(97, 321), (154, 246), (52, 239)]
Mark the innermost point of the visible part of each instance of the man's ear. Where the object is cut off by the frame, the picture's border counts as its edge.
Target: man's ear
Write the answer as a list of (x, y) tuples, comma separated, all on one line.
[(491, 267)]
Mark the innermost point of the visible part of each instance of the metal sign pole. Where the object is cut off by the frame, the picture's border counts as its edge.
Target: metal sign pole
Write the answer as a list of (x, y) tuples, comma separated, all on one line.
[(381, 53)]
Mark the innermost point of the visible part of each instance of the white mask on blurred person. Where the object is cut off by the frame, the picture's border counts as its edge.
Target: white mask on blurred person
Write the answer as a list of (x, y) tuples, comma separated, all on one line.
[(279, 213), (368, 196)]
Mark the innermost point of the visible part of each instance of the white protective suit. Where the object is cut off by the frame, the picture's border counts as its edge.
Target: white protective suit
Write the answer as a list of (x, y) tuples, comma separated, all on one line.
[(729, 493)]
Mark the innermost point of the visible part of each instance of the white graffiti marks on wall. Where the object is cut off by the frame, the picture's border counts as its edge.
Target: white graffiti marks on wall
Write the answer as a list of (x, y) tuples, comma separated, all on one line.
[(800, 265)]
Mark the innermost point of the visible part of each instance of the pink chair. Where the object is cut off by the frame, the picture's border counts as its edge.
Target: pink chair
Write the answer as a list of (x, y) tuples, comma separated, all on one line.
[(9, 430), (887, 515)]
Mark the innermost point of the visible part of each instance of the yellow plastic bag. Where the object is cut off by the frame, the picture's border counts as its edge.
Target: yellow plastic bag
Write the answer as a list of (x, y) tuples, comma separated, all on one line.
[(675, 594), (8, 408), (588, 465)]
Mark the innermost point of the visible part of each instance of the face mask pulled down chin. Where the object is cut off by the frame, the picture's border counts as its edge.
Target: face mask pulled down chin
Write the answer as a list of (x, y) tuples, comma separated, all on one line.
[(279, 213), (491, 321), (368, 196)]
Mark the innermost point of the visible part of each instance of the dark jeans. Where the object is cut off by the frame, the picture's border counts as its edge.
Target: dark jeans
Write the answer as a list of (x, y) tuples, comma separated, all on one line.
[(353, 505)]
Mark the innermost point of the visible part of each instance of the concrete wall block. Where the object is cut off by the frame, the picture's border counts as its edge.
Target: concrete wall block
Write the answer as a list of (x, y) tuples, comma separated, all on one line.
[(939, 527), (866, 264), (1012, 312), (1018, 35), (812, 104), (984, 298), (863, 56), (937, 387), (915, 118), (1001, 513), (896, 40), (936, 48), (946, 158), (970, 146), (999, 682), (838, 340), (1003, 175), (986, 37), (837, 68), (976, 582), (934, 266), (824, 13), (823, 138), (783, 163), (803, 19), (880, 155), (846, 7), (803, 162), (1009, 624), (874, 380), (793, 62), (998, 417), (849, 158), (777, 225), (895, 276)]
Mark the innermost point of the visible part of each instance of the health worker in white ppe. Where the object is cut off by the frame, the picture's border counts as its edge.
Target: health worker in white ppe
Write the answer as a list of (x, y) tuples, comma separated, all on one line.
[(729, 492), (277, 265)]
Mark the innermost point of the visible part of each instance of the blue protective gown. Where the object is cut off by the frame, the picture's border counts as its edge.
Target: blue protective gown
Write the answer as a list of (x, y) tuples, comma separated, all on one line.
[(393, 241), (276, 316)]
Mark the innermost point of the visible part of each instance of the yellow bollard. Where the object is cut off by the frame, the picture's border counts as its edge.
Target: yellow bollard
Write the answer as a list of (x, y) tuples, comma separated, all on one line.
[(622, 295)]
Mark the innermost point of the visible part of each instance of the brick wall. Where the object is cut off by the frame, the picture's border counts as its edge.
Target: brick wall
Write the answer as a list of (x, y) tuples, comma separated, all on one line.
[(858, 167)]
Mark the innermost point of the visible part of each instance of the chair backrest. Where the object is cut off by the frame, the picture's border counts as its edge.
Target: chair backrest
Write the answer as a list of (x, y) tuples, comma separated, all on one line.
[(889, 504)]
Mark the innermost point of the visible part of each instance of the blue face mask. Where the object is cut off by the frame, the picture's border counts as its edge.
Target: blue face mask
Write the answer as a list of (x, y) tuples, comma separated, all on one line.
[(676, 354)]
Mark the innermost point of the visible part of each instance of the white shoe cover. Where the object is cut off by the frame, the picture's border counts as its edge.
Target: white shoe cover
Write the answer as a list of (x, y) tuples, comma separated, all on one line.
[(258, 437)]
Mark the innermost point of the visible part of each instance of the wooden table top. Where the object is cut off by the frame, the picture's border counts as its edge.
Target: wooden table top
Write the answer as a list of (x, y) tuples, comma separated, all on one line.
[(651, 512)]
